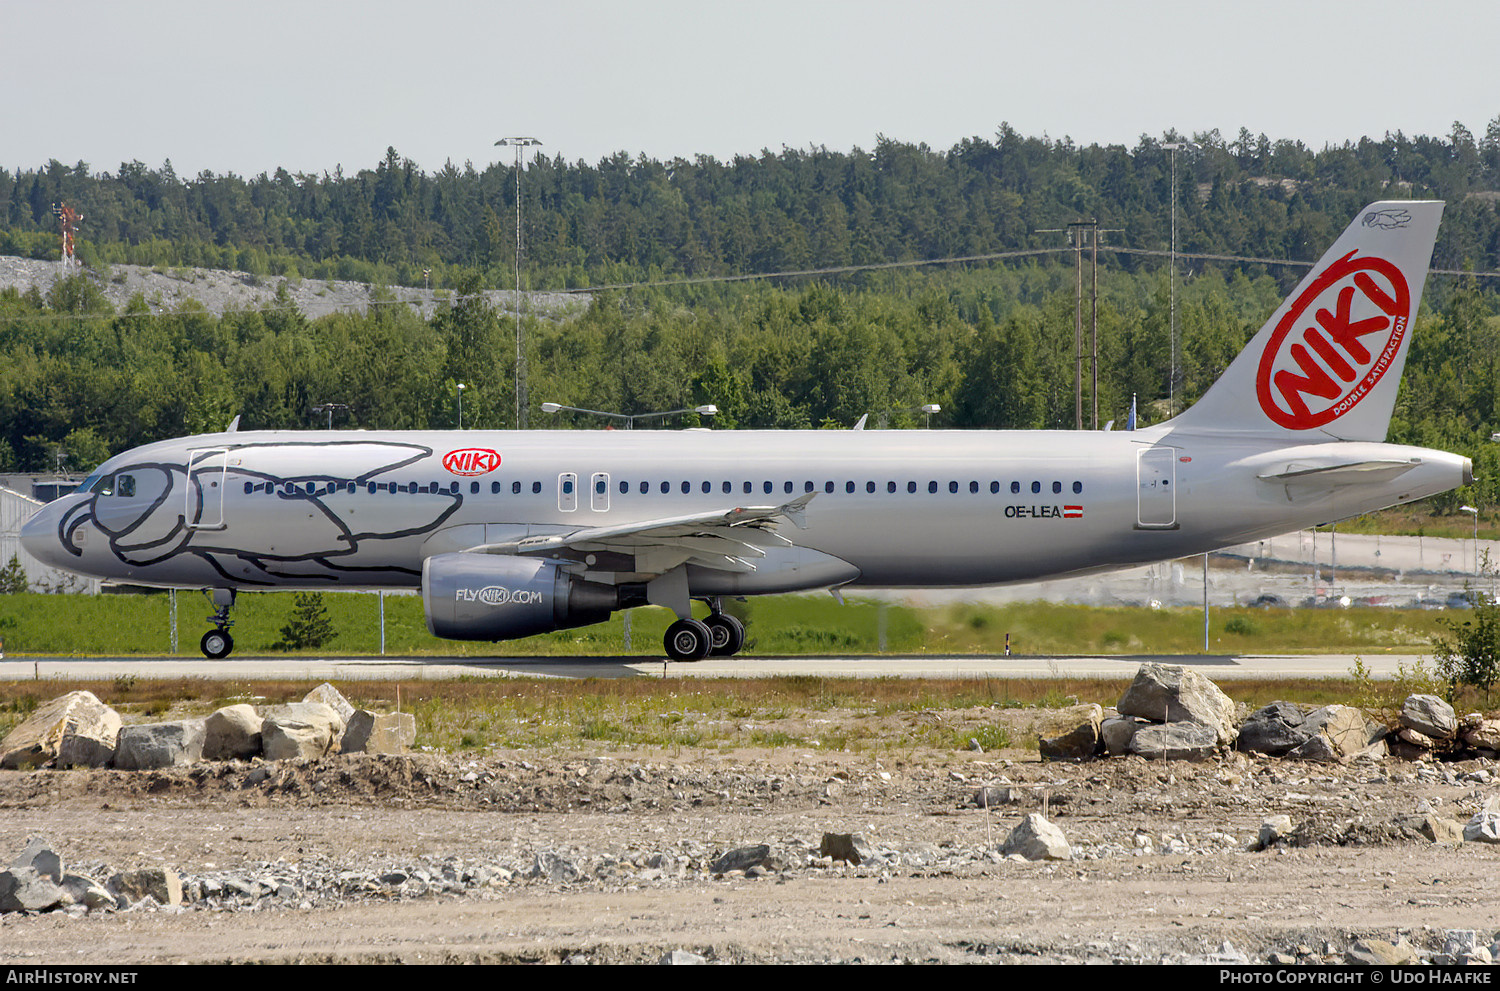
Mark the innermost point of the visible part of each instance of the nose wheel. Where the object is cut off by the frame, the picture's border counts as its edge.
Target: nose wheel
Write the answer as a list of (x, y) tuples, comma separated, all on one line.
[(216, 644)]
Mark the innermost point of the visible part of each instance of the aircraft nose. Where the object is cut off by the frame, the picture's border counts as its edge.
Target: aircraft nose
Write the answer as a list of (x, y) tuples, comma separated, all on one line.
[(39, 536)]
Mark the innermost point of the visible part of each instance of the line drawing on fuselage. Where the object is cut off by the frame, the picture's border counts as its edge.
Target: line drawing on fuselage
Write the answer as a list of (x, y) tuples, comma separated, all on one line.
[(491, 527)]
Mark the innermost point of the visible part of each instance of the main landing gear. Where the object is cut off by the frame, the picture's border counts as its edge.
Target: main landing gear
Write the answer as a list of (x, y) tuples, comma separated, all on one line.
[(720, 635), (217, 643)]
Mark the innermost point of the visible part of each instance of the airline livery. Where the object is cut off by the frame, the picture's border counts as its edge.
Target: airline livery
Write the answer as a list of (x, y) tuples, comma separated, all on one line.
[(512, 533)]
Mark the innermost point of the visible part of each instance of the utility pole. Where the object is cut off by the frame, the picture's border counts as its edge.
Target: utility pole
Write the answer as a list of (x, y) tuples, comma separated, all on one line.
[(1075, 231), (68, 219)]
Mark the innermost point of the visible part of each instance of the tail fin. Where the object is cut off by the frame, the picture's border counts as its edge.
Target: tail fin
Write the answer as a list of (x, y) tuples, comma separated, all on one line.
[(1328, 362)]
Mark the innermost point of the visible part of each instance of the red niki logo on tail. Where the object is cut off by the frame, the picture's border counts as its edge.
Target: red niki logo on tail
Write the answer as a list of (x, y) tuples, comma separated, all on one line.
[(471, 461), (1323, 357)]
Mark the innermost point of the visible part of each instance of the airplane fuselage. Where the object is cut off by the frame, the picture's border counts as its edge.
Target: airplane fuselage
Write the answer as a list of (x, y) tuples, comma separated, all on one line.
[(364, 509)]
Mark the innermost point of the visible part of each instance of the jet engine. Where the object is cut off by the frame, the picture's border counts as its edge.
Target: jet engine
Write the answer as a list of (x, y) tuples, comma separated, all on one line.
[(501, 597)]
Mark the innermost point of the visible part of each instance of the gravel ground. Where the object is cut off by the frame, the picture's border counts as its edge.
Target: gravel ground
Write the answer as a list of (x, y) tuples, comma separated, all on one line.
[(594, 854), (166, 288)]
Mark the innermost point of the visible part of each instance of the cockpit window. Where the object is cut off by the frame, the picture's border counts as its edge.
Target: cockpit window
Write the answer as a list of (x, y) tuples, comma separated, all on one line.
[(105, 486), (125, 486)]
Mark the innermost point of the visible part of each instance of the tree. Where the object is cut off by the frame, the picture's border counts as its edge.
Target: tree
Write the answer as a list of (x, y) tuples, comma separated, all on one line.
[(13, 578), (309, 626), (1470, 653)]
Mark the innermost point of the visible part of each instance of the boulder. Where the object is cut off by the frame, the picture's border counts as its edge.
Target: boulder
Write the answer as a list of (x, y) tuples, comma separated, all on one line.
[(1484, 826), (1434, 827), (332, 698), (384, 733), (26, 889), (153, 745), (87, 725), (39, 855), (1483, 734), (1037, 839), (1117, 731), (160, 883), (1317, 747), (1169, 694), (1273, 830), (1081, 742), (741, 859), (85, 891), (1175, 741), (301, 729), (1430, 716), (232, 732), (1346, 728), (1273, 730), (1380, 953), (848, 847)]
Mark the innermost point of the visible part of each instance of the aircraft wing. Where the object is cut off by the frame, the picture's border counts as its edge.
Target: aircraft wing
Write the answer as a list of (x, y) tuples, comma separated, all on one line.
[(725, 540)]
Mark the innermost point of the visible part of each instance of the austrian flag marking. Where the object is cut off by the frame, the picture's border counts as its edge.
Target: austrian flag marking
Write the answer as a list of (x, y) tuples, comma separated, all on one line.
[(1337, 340), (471, 461), (1072, 512)]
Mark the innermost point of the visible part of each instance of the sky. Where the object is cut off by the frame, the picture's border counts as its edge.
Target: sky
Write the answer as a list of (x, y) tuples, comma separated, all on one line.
[(313, 85)]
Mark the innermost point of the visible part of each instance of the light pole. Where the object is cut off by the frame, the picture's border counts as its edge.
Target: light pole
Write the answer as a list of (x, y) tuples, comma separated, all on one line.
[(460, 390), (1173, 147), (1474, 512), (329, 408), (518, 143), (927, 408), (630, 418)]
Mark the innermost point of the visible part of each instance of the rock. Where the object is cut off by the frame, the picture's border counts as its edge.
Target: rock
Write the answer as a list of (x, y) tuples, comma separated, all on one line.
[(1170, 694), (1273, 830), (232, 732), (554, 867), (848, 847), (39, 855), (87, 892), (1273, 730), (87, 725), (159, 883), (301, 729), (1079, 743), (154, 745), (1415, 738), (1117, 731), (680, 958), (1175, 741), (1435, 828), (1037, 839), (1346, 728), (741, 858), (1379, 953), (993, 796), (1318, 748), (1484, 734), (1430, 716), (1484, 826), (332, 698), (386, 733), (25, 889)]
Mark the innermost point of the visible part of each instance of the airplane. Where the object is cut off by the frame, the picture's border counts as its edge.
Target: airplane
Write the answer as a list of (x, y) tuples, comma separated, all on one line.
[(512, 533)]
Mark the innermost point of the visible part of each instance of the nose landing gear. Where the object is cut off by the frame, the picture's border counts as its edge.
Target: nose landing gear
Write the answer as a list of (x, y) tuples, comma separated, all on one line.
[(217, 643)]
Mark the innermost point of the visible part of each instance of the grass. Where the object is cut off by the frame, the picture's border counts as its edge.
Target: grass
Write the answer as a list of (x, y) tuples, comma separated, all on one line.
[(816, 714), (139, 624)]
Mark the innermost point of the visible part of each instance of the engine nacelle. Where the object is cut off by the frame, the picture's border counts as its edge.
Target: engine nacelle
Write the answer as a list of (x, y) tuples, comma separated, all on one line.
[(500, 597)]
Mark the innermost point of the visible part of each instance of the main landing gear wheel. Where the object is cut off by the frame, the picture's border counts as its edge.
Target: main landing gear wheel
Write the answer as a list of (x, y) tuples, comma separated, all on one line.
[(216, 644), (727, 634), (688, 640)]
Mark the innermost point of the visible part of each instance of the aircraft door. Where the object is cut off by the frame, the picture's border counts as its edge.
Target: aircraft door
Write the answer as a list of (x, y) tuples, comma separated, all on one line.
[(567, 491), (599, 492), (207, 470), (1156, 484)]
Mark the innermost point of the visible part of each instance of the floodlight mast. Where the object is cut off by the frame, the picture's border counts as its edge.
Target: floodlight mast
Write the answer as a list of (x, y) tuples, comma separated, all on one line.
[(518, 143)]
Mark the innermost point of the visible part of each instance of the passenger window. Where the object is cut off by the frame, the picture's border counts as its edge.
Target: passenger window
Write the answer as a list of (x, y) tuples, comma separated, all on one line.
[(973, 487), (827, 486), (686, 487), (1036, 487), (567, 486), (624, 488), (536, 488), (707, 487), (494, 488), (599, 486), (788, 488), (1056, 488), (748, 487), (869, 486), (807, 486), (931, 487), (911, 488), (1077, 488), (768, 488), (890, 486), (515, 488), (1015, 488), (952, 486), (666, 487), (645, 487)]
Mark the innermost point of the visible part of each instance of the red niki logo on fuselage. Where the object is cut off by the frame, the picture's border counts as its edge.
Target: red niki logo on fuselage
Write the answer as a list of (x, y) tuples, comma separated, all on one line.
[(471, 461), (1323, 357)]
